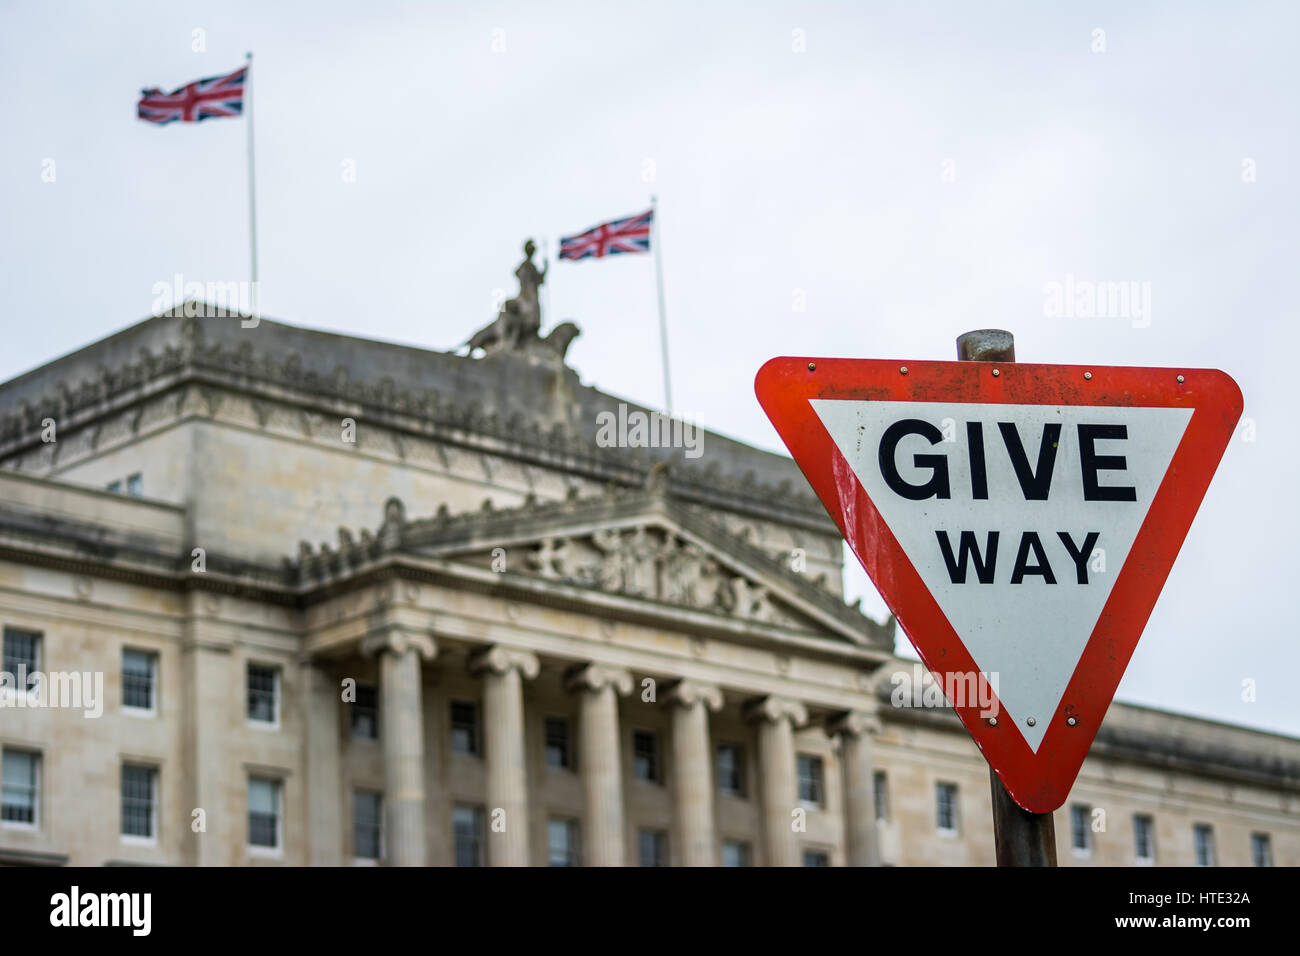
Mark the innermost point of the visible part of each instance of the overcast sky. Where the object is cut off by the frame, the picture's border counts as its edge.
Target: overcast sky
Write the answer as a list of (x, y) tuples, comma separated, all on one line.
[(916, 171)]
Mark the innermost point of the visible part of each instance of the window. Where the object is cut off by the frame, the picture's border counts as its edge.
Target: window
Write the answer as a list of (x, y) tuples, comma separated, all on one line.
[(1261, 849), (21, 774), (1144, 838), (135, 485), (467, 834), (464, 727), (652, 848), (562, 842), (139, 676), (139, 801), (115, 487), (1203, 840), (559, 752), (735, 853), (731, 770), (1080, 829), (367, 825), (880, 790), (811, 789), (945, 800), (365, 712), (264, 812), (22, 656), (645, 755), (263, 694), (816, 858)]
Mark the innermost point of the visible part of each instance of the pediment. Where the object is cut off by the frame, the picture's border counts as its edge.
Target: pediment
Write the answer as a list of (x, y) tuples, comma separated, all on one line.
[(648, 548)]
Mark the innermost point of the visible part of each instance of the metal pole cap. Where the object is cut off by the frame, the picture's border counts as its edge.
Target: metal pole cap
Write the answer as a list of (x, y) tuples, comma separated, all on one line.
[(986, 345)]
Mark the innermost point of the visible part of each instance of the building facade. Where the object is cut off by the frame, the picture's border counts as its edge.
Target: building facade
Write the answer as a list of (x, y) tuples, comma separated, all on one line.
[(302, 599)]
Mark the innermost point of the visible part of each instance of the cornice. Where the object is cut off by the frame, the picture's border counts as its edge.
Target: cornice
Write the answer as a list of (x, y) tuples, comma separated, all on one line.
[(283, 377), (103, 552), (1141, 748)]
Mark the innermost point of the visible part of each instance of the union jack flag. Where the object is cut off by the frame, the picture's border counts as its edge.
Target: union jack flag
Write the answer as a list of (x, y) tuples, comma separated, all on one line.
[(195, 102), (610, 238)]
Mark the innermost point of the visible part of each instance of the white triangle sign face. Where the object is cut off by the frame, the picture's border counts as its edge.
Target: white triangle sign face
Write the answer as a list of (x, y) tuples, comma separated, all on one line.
[(1028, 616), (1019, 525)]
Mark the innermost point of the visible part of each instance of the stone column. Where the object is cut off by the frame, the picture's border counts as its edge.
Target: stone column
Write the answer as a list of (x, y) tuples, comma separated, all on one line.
[(779, 789), (856, 730), (503, 672), (321, 696), (598, 687), (693, 770), (211, 714), (401, 729)]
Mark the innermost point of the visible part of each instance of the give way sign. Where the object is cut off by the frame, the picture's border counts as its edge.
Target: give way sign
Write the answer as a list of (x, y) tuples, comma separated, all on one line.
[(1019, 520)]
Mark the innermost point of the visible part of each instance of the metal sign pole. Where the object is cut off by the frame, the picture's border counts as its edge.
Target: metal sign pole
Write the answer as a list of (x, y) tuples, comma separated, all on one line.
[(1021, 838)]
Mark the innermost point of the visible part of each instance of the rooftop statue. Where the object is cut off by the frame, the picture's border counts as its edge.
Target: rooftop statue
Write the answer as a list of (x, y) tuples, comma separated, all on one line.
[(516, 328)]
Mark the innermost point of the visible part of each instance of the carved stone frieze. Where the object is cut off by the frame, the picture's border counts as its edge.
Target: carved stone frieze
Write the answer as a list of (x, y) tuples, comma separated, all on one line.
[(655, 564)]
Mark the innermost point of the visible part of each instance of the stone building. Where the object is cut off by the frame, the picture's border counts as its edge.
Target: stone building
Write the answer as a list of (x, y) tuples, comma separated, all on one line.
[(354, 602)]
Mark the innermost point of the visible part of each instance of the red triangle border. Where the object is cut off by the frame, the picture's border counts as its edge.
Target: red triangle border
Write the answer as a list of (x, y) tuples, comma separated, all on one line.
[(1039, 782)]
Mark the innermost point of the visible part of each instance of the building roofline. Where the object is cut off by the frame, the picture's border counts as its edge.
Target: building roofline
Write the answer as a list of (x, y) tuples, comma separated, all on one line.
[(1182, 715), (883, 693), (535, 406)]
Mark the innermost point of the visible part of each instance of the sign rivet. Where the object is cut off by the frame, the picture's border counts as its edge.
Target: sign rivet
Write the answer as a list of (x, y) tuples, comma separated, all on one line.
[(1071, 721), (812, 366), (996, 373), (993, 721), (1087, 376), (1031, 721), (903, 369), (1181, 380)]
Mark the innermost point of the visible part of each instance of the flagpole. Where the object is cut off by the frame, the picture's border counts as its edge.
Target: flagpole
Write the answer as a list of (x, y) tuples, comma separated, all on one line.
[(252, 193), (663, 322)]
